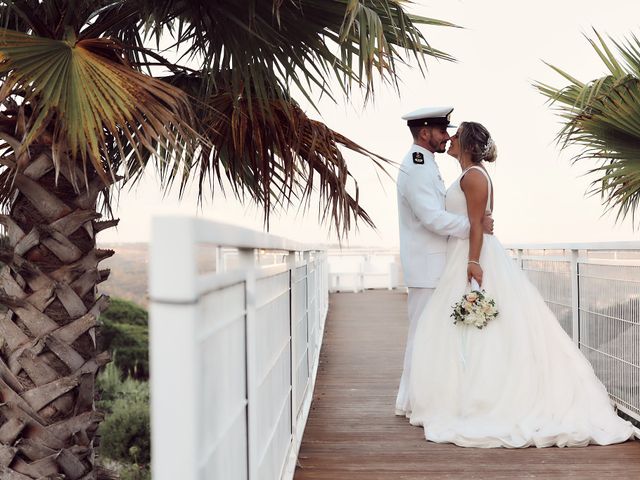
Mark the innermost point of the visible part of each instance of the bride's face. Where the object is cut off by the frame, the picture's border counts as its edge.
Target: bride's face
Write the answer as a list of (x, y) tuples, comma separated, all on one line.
[(454, 146)]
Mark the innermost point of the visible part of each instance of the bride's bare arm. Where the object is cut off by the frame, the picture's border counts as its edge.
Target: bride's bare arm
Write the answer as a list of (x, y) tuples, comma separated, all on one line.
[(476, 190)]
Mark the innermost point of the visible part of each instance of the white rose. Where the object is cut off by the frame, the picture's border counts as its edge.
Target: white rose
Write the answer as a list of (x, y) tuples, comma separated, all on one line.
[(472, 318)]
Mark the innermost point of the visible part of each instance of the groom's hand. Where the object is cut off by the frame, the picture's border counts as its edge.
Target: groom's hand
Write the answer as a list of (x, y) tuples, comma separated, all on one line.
[(487, 224)]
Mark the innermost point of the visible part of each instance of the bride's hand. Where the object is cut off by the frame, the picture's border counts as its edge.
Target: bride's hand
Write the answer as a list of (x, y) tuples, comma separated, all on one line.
[(474, 271)]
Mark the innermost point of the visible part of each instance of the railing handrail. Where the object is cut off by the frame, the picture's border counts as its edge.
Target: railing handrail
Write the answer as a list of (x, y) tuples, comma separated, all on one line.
[(614, 245), (630, 245), (225, 235)]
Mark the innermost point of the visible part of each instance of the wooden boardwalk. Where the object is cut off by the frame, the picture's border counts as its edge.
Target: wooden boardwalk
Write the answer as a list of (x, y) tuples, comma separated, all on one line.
[(352, 433)]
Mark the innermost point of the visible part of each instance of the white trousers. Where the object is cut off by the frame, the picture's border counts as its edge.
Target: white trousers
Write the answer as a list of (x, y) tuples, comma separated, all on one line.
[(416, 303)]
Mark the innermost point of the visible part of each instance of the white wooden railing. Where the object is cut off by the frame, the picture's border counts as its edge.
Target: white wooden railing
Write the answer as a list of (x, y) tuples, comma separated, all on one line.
[(358, 269), (234, 349)]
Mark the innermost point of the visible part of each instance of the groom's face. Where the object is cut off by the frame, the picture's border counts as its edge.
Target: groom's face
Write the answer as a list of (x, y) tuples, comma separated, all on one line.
[(438, 138)]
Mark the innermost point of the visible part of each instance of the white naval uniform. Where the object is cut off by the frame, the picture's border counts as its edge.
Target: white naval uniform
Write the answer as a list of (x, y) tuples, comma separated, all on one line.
[(425, 226)]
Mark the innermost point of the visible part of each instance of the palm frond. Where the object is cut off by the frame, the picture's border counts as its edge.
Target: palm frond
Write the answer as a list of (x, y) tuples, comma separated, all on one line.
[(83, 91), (270, 46), (602, 118), (254, 53), (280, 157)]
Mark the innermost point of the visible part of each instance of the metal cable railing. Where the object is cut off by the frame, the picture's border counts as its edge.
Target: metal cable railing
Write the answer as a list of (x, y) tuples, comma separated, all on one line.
[(594, 290)]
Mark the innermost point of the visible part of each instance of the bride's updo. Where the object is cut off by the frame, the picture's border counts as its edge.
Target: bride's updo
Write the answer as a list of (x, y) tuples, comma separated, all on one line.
[(476, 140)]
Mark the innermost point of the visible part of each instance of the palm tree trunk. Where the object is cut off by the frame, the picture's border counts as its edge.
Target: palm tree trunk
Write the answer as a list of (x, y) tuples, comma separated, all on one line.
[(48, 357)]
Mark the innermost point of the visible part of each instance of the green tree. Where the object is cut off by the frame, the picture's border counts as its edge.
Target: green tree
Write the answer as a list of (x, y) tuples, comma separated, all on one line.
[(88, 101), (602, 119), (124, 331), (123, 311)]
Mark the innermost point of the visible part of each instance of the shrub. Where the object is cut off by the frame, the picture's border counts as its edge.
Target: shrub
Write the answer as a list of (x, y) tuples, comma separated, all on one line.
[(113, 387), (125, 471), (135, 472), (125, 434)]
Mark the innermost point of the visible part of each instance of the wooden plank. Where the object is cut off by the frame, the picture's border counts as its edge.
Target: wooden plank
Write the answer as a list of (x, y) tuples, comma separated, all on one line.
[(353, 434)]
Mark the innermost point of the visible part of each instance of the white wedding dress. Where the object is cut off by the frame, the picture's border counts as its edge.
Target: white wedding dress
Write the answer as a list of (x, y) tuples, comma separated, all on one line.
[(518, 382)]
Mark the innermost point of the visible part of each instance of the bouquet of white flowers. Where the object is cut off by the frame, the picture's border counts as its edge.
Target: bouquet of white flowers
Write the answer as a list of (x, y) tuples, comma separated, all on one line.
[(475, 308)]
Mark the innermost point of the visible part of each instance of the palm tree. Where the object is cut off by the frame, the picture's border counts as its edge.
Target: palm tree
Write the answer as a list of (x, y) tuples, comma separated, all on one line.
[(602, 118), (88, 101)]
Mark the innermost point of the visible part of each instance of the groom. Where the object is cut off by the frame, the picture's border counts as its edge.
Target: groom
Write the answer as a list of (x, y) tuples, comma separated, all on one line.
[(425, 225)]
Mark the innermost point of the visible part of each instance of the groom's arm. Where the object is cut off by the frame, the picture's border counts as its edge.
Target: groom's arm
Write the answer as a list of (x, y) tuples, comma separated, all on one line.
[(422, 195)]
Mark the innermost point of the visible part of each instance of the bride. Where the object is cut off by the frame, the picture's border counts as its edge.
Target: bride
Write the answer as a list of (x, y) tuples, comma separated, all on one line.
[(518, 382)]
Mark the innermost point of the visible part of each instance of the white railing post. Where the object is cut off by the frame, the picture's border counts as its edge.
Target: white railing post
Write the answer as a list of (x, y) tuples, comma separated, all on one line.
[(326, 292), (520, 261), (325, 280), (575, 298), (174, 366), (291, 265), (247, 261), (220, 266), (307, 258), (393, 281)]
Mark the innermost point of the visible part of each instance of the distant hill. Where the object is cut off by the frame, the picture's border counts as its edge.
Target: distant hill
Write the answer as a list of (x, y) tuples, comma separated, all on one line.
[(128, 277), (129, 270)]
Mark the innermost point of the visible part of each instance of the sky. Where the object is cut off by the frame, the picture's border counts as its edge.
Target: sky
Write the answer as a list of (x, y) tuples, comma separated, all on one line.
[(500, 52)]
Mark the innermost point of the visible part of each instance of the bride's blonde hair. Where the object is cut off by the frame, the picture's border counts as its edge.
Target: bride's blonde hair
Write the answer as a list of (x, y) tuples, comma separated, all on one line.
[(476, 140)]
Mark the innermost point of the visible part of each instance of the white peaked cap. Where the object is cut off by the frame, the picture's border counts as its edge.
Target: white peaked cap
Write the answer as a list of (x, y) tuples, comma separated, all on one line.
[(429, 116)]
